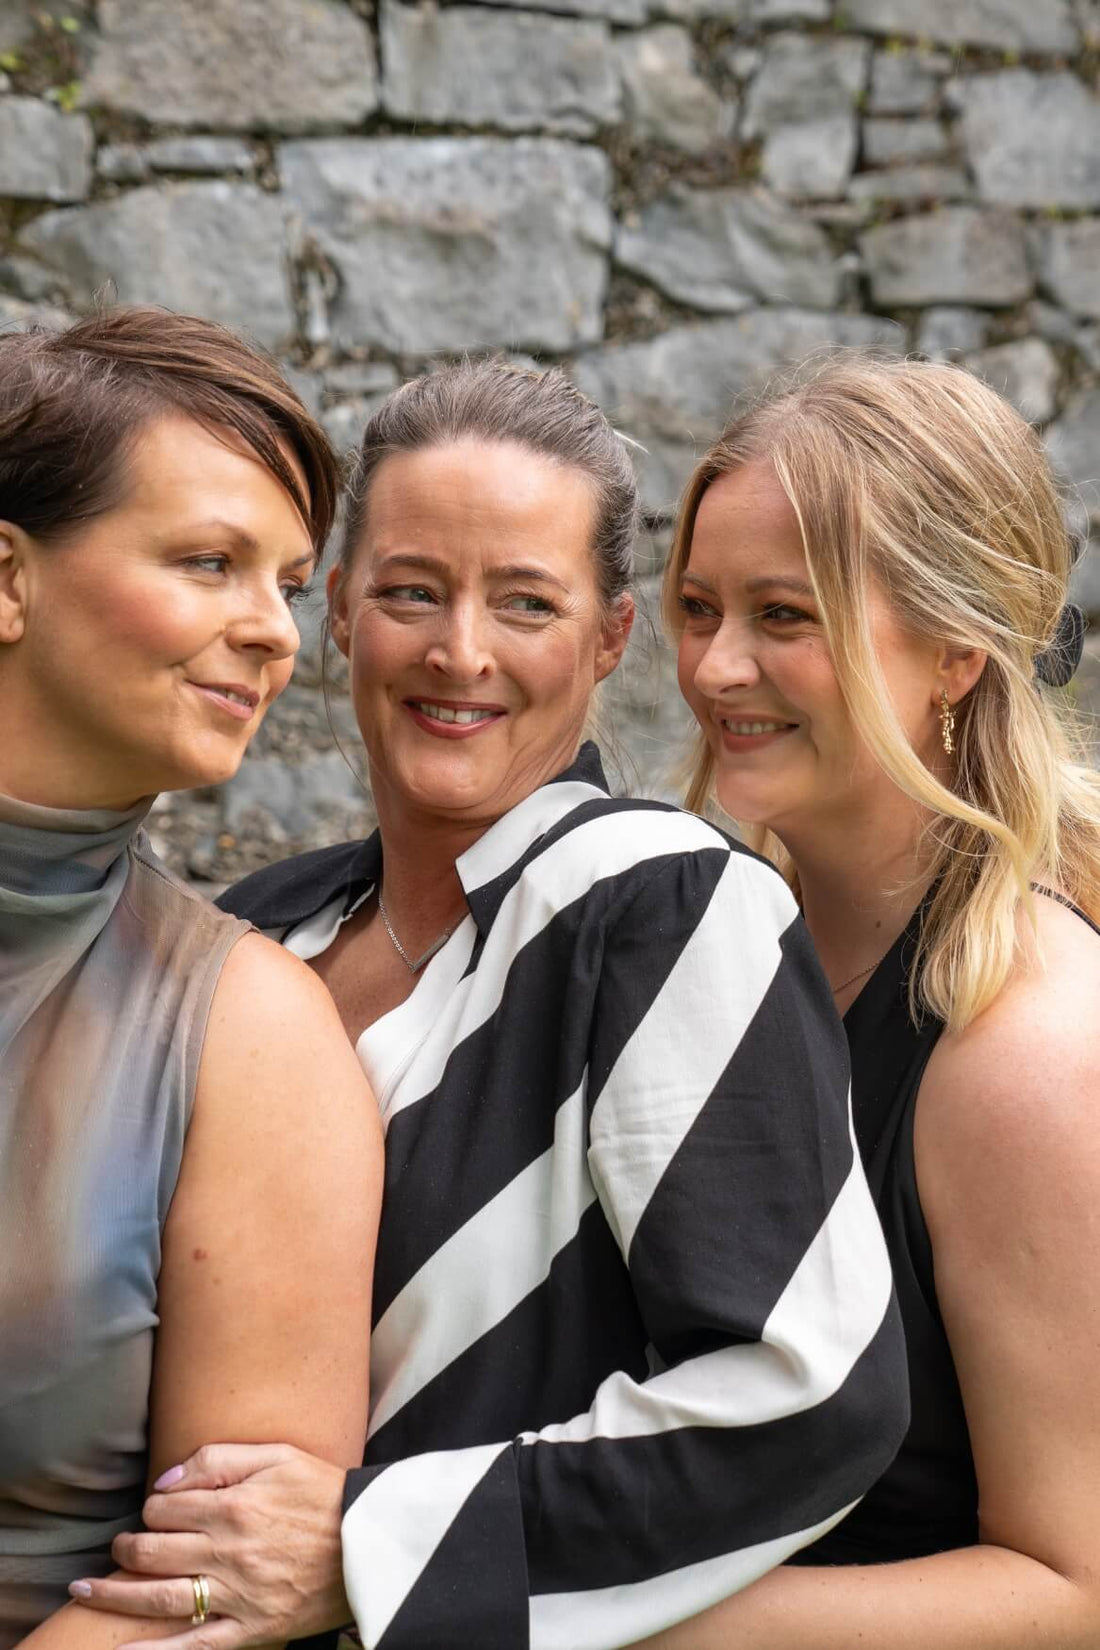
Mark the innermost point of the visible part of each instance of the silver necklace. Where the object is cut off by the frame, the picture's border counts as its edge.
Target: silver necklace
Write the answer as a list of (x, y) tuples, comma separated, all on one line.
[(413, 967)]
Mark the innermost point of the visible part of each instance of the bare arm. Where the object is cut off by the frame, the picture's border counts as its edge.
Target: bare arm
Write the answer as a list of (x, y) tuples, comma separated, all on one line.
[(1008, 1155), (264, 1290)]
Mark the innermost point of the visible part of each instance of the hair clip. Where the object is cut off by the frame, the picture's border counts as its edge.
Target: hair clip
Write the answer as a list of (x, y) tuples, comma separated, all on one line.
[(1057, 663)]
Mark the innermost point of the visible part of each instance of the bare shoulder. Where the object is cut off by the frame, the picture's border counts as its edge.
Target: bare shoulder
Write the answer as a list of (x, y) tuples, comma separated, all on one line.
[(275, 1041), (1012, 1099)]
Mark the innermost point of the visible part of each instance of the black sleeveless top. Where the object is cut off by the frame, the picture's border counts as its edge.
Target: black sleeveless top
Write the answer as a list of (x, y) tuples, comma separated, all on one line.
[(927, 1500)]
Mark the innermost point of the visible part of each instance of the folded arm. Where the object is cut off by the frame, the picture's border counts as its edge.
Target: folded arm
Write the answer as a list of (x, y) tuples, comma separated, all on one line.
[(264, 1290)]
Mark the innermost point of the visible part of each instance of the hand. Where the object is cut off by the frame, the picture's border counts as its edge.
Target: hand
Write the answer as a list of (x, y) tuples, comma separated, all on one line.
[(261, 1523)]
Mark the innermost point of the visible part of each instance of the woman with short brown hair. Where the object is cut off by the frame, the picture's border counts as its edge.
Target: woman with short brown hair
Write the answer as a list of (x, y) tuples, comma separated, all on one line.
[(189, 1155)]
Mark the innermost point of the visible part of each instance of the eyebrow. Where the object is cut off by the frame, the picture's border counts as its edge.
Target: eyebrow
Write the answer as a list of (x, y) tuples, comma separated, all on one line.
[(436, 564), (797, 587), (243, 539)]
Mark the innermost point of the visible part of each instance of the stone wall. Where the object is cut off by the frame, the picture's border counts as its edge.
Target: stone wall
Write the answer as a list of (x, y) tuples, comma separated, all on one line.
[(674, 197)]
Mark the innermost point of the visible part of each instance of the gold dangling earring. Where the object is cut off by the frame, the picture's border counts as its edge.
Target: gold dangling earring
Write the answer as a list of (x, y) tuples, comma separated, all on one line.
[(947, 723)]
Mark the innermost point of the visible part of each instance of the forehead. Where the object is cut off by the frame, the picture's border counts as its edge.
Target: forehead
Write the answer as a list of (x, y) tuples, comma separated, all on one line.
[(488, 494), (178, 469), (745, 521)]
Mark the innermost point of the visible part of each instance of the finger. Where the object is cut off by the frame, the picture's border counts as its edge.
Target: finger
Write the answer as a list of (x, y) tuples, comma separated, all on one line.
[(212, 1635), (148, 1553), (215, 1466), (159, 1599), (191, 1510)]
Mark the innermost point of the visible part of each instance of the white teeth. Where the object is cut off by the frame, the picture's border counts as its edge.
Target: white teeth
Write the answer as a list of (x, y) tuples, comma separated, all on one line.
[(754, 727), (444, 713)]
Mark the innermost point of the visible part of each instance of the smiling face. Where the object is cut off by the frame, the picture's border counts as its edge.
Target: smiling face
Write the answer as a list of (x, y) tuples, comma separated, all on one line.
[(144, 649), (754, 667), (472, 619)]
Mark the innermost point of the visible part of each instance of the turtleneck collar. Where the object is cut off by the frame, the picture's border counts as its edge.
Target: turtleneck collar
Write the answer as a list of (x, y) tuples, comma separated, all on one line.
[(58, 852)]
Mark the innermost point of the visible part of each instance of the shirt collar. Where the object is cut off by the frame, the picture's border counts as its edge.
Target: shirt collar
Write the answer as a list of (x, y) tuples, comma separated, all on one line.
[(489, 868)]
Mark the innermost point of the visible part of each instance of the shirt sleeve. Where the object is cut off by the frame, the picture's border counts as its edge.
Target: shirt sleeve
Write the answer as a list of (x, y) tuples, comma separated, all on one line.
[(722, 1155)]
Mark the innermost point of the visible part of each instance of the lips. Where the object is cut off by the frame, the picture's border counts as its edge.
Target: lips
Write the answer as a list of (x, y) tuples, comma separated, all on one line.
[(453, 718), (234, 698)]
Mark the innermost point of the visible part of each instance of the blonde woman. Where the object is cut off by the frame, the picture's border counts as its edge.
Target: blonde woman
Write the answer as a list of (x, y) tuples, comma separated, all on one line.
[(868, 586)]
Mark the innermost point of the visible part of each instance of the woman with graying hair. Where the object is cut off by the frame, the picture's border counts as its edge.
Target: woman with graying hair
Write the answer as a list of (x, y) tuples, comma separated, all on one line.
[(190, 1160), (869, 588), (635, 1340)]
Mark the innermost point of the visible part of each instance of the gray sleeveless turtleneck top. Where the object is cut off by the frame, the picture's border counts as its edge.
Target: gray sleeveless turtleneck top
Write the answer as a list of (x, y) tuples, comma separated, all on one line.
[(107, 970)]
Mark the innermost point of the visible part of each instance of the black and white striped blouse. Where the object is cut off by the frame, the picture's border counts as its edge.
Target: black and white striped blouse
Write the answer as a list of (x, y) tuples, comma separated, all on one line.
[(635, 1340)]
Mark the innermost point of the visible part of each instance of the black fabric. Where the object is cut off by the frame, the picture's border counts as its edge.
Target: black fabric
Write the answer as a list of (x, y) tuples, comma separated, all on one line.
[(927, 1500)]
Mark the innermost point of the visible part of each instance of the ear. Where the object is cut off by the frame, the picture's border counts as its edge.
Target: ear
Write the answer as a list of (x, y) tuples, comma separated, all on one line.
[(614, 634), (336, 587), (957, 671), (13, 582)]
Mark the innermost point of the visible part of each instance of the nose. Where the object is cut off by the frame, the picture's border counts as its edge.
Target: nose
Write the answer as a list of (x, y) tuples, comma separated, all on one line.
[(263, 622), (458, 650), (729, 662)]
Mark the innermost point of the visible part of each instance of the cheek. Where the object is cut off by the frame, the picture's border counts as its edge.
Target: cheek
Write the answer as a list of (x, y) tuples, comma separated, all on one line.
[(690, 654)]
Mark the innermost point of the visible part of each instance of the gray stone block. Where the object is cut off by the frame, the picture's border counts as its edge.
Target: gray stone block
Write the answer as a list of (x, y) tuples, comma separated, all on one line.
[(1025, 372), (215, 249), (1010, 25), (475, 66), (199, 154), (906, 82), (616, 11), (960, 255), (724, 249), (1071, 265), (674, 393), (946, 332), (805, 78), (44, 155), (1073, 443), (912, 183), (903, 142), (694, 11), (1032, 139), (813, 159), (665, 98), (789, 11), (122, 163), (457, 243), (282, 65), (345, 421)]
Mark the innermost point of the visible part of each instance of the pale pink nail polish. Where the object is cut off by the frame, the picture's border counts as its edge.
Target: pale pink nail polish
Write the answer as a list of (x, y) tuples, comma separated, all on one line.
[(80, 1589), (167, 1479)]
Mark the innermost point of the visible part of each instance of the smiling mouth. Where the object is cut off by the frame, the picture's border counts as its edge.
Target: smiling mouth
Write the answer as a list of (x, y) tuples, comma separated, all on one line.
[(465, 717), (240, 702), (746, 729)]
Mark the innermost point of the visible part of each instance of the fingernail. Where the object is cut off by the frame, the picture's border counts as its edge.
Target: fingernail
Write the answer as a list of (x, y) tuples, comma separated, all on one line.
[(80, 1589), (167, 1479)]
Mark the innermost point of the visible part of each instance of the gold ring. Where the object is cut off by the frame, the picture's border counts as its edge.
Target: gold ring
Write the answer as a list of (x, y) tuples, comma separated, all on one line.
[(201, 1589)]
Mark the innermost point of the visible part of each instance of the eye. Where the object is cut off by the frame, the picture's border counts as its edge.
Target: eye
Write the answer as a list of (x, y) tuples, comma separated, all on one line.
[(294, 592), (208, 564), (783, 615), (696, 609), (407, 593), (523, 602)]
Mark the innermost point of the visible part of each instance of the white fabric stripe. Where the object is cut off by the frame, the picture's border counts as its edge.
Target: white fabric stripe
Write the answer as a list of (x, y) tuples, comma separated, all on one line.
[(827, 1316), (620, 1615), (607, 846), (309, 938), (392, 1529), (387, 1048), (671, 1065), (510, 838), (484, 1270)]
